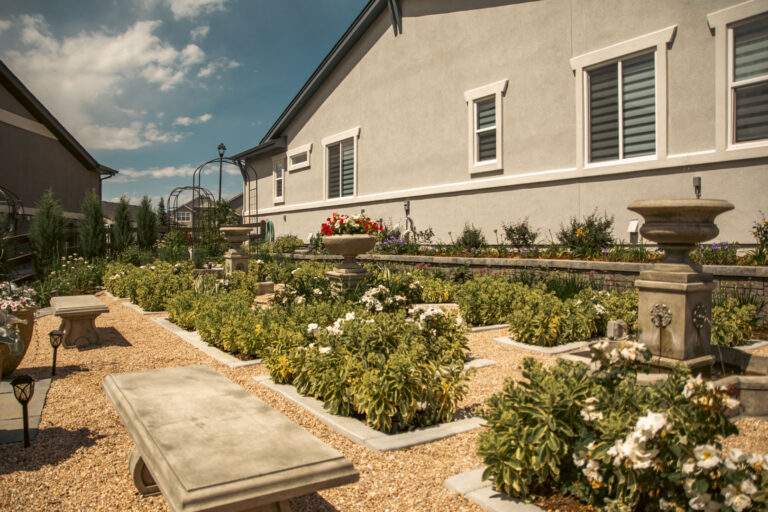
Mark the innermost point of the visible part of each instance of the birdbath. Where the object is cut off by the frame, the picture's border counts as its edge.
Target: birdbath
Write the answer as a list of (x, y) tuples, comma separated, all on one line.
[(234, 258), (675, 304)]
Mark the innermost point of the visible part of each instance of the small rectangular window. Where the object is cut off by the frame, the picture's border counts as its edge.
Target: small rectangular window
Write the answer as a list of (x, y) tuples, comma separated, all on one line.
[(622, 112), (749, 82), (485, 129), (279, 179), (341, 168), (298, 157)]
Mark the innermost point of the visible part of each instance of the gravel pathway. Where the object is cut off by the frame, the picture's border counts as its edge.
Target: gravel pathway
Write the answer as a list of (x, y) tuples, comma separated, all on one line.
[(79, 459)]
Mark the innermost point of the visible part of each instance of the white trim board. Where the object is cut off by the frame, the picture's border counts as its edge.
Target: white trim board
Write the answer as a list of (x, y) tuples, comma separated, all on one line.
[(26, 124), (680, 160)]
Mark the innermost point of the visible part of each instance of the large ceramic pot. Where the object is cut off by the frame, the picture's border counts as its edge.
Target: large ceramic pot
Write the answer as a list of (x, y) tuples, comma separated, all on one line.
[(677, 225), (10, 361), (349, 247)]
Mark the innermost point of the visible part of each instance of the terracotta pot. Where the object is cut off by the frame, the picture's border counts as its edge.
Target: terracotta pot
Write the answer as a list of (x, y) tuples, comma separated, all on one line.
[(9, 361), (349, 247)]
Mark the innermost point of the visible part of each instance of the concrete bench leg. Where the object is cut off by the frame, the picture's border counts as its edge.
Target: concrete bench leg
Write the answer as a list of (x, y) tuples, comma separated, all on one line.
[(79, 330), (142, 478)]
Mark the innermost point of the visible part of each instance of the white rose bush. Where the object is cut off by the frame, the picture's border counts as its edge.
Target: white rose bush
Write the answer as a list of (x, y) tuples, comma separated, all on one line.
[(595, 434)]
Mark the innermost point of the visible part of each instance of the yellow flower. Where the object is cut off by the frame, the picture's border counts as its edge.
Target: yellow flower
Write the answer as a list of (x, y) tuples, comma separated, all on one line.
[(580, 232)]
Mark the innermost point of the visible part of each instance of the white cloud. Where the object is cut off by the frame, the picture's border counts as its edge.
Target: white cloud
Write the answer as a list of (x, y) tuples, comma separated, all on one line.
[(194, 8), (198, 33), (215, 66), (5, 25), (170, 171), (82, 78), (187, 121)]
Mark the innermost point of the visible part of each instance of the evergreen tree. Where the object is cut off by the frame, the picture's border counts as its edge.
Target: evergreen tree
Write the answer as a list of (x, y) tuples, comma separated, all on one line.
[(46, 234), (162, 216), (92, 232), (122, 235), (146, 225)]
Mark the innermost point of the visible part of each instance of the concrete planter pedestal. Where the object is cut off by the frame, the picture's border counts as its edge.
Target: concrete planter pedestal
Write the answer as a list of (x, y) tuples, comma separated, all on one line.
[(348, 272)]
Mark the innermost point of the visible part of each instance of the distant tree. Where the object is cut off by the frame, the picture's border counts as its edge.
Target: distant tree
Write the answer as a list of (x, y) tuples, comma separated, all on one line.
[(122, 233), (146, 225), (162, 216), (92, 233), (46, 234)]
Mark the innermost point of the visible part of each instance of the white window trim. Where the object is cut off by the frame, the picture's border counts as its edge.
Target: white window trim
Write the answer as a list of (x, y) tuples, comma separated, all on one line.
[(275, 198), (719, 22), (659, 41), (496, 89), (306, 148), (354, 134)]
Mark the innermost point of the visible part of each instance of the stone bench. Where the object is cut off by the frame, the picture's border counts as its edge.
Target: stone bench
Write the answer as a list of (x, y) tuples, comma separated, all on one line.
[(208, 445), (78, 315)]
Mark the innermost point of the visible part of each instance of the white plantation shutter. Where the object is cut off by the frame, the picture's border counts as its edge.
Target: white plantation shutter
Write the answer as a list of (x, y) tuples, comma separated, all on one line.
[(603, 114), (639, 105), (750, 79), (486, 128), (334, 170)]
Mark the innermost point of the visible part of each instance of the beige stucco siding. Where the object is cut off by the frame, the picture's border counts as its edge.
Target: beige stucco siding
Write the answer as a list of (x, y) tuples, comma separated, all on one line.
[(406, 94)]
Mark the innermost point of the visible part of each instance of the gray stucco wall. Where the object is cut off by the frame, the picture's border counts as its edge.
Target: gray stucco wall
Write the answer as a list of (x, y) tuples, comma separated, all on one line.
[(406, 95)]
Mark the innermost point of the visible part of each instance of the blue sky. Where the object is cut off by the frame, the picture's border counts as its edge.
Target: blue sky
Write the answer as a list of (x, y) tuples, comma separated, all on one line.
[(151, 87)]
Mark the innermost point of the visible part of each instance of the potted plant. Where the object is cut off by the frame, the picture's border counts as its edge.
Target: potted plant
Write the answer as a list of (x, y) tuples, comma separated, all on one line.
[(348, 236), (18, 306)]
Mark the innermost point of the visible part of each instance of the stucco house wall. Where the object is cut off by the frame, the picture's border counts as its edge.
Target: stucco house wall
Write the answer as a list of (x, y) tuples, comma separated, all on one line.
[(406, 95)]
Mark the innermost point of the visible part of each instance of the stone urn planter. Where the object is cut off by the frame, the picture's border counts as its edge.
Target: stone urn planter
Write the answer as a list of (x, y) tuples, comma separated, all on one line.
[(8, 361), (235, 258), (349, 247)]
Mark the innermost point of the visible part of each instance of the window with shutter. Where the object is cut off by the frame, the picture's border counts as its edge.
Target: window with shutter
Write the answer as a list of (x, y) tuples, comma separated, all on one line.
[(622, 109), (485, 129), (341, 168), (278, 166), (484, 114), (749, 80)]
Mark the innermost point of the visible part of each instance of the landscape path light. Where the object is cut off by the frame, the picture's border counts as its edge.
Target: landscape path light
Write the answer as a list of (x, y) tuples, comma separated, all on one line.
[(56, 337), (23, 390)]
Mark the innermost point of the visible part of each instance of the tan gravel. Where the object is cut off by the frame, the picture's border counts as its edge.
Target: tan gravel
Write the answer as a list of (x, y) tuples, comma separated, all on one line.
[(78, 462)]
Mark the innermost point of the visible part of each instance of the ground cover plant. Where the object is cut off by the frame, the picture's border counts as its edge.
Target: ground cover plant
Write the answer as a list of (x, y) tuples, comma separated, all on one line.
[(597, 435), (71, 275), (150, 286)]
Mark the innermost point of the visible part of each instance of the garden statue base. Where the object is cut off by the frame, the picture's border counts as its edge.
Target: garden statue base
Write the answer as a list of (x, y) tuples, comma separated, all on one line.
[(78, 314), (208, 445), (234, 260), (674, 311), (348, 279)]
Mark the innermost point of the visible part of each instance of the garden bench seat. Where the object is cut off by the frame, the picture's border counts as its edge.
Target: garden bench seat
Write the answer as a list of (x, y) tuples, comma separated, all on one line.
[(78, 315), (208, 445)]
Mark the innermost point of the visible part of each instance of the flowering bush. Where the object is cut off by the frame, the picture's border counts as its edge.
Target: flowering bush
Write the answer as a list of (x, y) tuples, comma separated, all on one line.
[(73, 275), (716, 254), (307, 283), (595, 434), (340, 224), (150, 286), (588, 237), (228, 321), (15, 298), (396, 371), (732, 322)]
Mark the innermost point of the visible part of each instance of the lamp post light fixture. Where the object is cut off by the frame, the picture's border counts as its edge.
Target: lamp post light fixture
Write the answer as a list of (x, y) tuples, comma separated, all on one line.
[(222, 148), (56, 337), (23, 390)]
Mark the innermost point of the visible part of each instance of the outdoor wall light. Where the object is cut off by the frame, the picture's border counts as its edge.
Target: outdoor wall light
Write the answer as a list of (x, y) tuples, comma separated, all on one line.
[(23, 390), (697, 186), (56, 336)]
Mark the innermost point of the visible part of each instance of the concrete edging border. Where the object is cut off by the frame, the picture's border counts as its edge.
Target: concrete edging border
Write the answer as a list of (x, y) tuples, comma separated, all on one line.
[(360, 433), (483, 328), (193, 338), (470, 485), (560, 349)]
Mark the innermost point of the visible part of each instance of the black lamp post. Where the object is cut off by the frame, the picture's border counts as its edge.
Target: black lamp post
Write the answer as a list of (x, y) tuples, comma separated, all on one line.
[(23, 389), (222, 148), (56, 338)]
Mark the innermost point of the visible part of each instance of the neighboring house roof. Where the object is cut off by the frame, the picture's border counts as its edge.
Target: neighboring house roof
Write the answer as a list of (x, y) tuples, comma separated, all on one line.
[(12, 83), (108, 209), (342, 47)]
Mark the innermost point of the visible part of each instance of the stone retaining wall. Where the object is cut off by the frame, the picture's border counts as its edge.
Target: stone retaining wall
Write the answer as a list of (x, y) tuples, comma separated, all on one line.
[(614, 275)]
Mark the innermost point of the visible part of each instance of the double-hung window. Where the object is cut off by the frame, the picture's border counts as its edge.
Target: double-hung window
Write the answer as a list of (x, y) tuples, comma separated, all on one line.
[(341, 163), (622, 109), (278, 177), (485, 118), (748, 79)]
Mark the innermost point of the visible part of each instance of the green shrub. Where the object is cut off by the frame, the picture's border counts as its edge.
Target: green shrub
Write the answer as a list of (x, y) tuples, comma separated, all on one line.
[(173, 246), (732, 322), (182, 309), (759, 255), (158, 282), (146, 225), (135, 256), (588, 237), (396, 373), (121, 234), (227, 321), (120, 279), (46, 234), (249, 281), (437, 291), (307, 283), (488, 300), (73, 275), (613, 444), (567, 285), (520, 235), (471, 238), (92, 232), (716, 254), (540, 318), (286, 244)]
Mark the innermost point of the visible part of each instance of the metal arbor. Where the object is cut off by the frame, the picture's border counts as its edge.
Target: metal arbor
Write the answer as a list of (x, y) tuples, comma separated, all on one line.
[(201, 197)]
